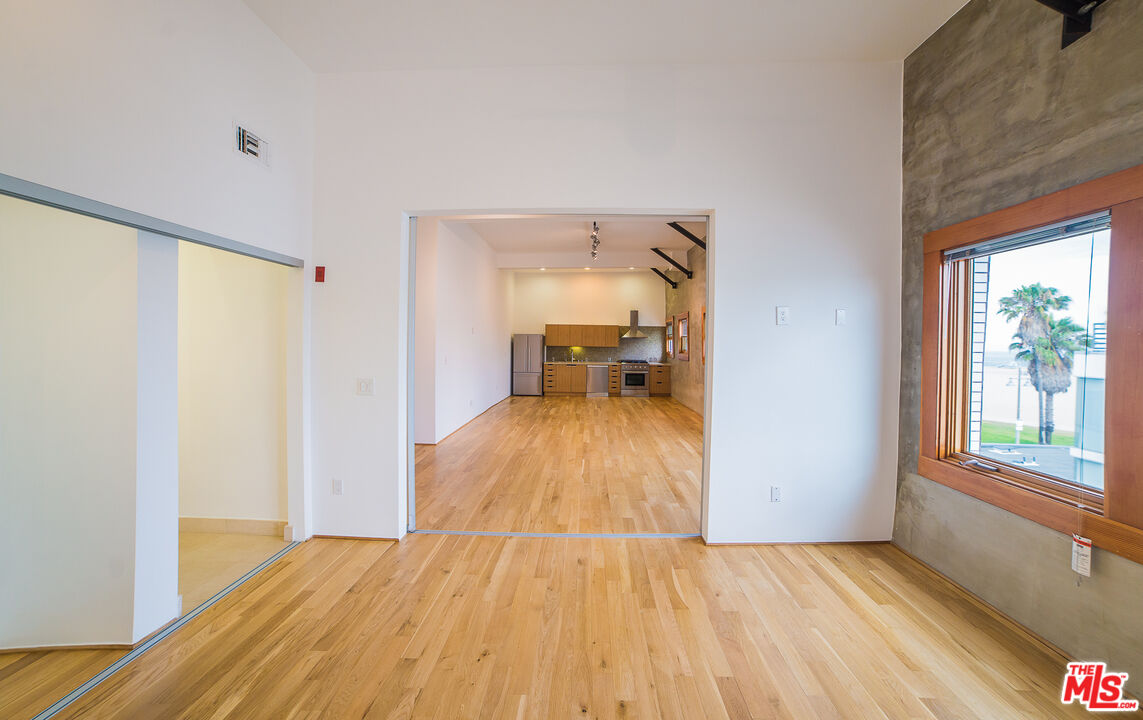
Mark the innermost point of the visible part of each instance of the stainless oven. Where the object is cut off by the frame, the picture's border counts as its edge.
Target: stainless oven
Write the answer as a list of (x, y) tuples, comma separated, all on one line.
[(634, 379)]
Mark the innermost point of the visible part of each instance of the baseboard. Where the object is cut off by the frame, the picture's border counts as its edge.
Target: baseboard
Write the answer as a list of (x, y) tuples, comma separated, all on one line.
[(992, 609), (356, 537), (471, 420), (233, 526), (125, 647)]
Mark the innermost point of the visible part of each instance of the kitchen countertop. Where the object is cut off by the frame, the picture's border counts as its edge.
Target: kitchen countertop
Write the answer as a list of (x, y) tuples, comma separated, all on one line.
[(592, 362)]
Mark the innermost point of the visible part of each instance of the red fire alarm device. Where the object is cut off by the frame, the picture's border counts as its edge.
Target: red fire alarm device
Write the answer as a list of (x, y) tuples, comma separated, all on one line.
[(319, 273)]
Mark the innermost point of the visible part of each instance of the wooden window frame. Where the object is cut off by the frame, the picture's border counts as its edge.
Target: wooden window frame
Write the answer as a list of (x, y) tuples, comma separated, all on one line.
[(1113, 519), (671, 337), (681, 320)]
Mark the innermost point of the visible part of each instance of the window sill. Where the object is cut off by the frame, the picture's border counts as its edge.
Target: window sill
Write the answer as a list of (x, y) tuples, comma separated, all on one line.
[(1065, 517)]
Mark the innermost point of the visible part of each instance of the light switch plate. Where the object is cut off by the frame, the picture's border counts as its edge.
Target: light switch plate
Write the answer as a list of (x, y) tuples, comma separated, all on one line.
[(364, 386), (782, 315), (839, 316)]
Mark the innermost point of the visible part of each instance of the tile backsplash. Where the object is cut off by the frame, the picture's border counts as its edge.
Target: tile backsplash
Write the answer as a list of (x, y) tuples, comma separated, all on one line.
[(650, 348)]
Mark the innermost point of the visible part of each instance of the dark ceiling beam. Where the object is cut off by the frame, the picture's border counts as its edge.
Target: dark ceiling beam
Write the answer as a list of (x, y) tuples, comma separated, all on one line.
[(674, 285), (671, 260), (1077, 17), (689, 235)]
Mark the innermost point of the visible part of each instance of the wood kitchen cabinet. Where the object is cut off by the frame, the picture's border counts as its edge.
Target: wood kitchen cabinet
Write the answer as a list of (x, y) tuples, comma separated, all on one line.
[(576, 335), (565, 379), (555, 335), (549, 378), (614, 387), (660, 378), (582, 335), (578, 379)]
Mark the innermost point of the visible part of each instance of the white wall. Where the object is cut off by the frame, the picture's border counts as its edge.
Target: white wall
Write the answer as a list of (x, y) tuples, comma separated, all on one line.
[(232, 330), (88, 551), (801, 164), (138, 99), (157, 435), (586, 298), (463, 332)]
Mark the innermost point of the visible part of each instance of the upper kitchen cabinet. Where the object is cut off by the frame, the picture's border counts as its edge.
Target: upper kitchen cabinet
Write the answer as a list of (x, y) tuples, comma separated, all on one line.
[(606, 335), (582, 335), (576, 335)]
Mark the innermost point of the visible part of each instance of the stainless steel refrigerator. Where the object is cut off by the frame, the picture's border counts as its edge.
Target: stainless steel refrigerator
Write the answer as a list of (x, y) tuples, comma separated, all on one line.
[(527, 364)]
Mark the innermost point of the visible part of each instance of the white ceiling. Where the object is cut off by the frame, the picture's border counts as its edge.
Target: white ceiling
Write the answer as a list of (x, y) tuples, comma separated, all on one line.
[(570, 235), (360, 35), (565, 242)]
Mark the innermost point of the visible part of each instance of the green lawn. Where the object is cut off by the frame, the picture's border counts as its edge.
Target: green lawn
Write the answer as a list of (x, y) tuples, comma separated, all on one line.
[(998, 432)]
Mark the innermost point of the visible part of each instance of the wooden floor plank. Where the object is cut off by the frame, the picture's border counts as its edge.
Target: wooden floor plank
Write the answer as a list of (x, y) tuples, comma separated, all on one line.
[(208, 562), (473, 626), (566, 464)]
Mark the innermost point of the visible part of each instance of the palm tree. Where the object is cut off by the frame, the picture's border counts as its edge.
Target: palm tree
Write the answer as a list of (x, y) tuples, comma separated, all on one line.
[(1065, 337), (1033, 304), (1053, 356)]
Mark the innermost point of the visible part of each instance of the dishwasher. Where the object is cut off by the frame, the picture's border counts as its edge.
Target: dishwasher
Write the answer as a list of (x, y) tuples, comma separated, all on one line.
[(597, 381)]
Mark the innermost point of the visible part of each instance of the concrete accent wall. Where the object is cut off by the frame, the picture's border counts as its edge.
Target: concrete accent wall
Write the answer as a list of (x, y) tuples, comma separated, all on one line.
[(996, 114), (688, 376)]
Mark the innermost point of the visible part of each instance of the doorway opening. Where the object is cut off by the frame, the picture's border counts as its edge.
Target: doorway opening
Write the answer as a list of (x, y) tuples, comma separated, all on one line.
[(558, 365), (232, 348)]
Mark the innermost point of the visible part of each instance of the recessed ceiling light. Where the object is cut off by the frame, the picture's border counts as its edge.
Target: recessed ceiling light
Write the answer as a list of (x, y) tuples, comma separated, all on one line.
[(587, 268), (543, 269), (631, 268)]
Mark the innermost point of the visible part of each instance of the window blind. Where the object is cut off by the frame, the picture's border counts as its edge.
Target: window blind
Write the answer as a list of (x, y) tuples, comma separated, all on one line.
[(1036, 236)]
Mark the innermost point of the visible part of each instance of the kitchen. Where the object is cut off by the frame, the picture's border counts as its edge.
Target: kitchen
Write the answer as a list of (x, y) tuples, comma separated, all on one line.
[(589, 361)]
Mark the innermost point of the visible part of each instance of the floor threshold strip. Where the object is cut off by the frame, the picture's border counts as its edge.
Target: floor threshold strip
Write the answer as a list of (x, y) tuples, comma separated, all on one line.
[(603, 536), (122, 662)]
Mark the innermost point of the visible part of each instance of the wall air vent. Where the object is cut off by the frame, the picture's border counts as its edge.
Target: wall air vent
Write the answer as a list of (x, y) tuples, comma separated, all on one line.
[(251, 145)]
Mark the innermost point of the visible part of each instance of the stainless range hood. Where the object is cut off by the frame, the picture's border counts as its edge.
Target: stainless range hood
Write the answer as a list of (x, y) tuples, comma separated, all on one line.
[(633, 331)]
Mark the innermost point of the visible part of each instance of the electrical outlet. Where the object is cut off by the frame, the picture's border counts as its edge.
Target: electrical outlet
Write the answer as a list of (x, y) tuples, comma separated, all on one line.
[(364, 386), (775, 493), (337, 486), (782, 315)]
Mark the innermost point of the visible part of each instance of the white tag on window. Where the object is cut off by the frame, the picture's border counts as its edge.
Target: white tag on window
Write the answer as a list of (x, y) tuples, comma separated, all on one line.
[(1081, 555)]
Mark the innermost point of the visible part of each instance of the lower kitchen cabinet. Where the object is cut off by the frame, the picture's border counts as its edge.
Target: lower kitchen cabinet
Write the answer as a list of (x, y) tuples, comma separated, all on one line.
[(613, 383), (660, 378), (565, 379)]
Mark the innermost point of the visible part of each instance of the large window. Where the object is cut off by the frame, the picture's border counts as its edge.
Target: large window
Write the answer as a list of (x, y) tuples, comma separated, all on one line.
[(1037, 338), (1032, 371)]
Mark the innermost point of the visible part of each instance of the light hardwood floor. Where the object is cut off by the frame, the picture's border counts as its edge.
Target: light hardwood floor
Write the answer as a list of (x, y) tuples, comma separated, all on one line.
[(566, 464), (208, 562), (464, 626)]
